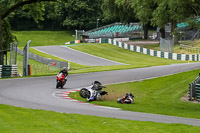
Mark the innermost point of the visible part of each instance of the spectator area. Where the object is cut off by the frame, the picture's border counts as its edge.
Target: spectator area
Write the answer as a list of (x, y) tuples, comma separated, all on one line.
[(115, 30), (184, 25)]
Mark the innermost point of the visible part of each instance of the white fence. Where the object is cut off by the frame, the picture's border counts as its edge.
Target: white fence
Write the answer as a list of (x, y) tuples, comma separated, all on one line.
[(14, 71)]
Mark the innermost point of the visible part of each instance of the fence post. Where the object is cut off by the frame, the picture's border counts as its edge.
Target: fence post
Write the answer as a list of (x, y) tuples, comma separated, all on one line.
[(26, 59)]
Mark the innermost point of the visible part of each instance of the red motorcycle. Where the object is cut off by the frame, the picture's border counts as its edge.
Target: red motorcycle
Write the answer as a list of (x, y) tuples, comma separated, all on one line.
[(60, 80)]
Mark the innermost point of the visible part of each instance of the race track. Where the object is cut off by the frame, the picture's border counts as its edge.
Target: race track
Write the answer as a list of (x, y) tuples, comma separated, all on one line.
[(38, 93), (72, 55)]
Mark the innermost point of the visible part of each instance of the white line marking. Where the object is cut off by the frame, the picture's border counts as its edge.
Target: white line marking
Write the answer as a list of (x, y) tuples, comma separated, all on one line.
[(105, 107)]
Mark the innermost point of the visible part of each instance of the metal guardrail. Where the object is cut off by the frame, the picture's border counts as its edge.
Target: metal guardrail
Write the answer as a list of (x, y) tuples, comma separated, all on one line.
[(47, 61)]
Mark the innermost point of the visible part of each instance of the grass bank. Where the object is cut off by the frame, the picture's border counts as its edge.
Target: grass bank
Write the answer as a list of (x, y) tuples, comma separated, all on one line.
[(43, 38), (132, 59), (159, 95), (20, 120)]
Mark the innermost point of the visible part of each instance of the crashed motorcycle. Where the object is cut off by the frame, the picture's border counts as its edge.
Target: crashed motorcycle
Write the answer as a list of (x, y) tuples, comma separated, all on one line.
[(93, 92), (61, 81)]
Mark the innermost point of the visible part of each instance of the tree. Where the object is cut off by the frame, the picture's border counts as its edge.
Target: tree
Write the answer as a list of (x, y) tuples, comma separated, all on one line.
[(144, 10), (125, 11), (9, 6), (110, 11), (79, 14), (173, 11), (130, 10), (118, 10)]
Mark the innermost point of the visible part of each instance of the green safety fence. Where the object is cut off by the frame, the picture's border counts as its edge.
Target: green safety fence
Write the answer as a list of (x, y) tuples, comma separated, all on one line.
[(6, 71), (194, 89), (197, 92)]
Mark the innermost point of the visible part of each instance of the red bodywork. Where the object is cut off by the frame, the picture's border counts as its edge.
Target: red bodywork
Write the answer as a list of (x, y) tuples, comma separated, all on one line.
[(60, 77), (60, 80)]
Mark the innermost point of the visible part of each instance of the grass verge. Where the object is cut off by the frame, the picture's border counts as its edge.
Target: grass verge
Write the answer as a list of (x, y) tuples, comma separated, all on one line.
[(159, 95), (14, 120), (133, 59), (43, 38)]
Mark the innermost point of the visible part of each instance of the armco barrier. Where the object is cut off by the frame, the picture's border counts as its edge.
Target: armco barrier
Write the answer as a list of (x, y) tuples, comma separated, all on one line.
[(58, 64), (155, 53)]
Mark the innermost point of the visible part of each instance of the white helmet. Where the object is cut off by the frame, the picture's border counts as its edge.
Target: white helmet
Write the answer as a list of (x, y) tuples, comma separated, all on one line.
[(64, 68)]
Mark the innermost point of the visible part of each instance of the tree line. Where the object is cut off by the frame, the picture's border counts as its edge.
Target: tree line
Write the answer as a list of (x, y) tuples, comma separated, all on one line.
[(83, 14)]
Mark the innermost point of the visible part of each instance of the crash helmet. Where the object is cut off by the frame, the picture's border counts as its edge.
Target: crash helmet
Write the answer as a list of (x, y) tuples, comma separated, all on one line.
[(65, 68), (129, 94)]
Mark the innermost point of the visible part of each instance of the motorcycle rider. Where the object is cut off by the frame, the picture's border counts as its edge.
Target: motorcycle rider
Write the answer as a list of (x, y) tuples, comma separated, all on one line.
[(65, 72), (126, 99)]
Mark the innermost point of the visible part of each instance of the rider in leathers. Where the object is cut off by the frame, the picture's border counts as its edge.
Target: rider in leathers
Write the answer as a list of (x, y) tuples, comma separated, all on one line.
[(65, 72)]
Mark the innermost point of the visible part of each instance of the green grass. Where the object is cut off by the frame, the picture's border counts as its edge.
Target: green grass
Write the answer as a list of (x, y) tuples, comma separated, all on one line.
[(154, 95), (159, 95), (43, 38), (36, 67), (114, 53), (20, 120)]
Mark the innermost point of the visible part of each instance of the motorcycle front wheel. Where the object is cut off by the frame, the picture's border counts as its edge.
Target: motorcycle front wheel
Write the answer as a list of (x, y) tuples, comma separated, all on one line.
[(84, 93), (57, 84)]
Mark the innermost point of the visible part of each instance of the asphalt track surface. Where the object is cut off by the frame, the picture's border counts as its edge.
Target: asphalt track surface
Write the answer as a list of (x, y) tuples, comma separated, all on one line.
[(38, 93), (76, 56)]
